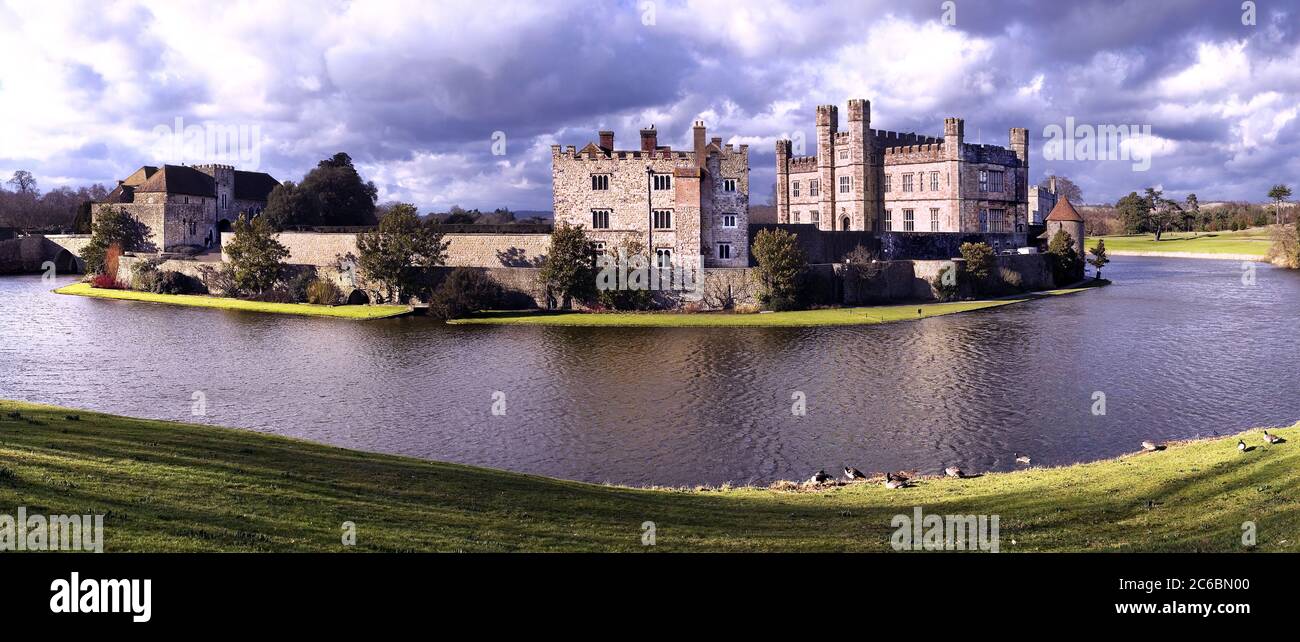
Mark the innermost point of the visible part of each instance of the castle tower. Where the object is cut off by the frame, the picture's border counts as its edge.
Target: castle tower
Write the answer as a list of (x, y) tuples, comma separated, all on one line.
[(223, 180), (863, 167), (1065, 217), (828, 123), (783, 181)]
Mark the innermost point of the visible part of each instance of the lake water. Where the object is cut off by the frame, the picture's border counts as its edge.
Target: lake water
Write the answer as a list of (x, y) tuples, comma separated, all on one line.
[(1180, 348)]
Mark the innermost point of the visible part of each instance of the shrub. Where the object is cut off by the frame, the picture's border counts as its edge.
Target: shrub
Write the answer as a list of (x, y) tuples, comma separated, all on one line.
[(323, 292), (465, 290), (220, 280), (1067, 265), (106, 281), (145, 276), (173, 282), (297, 285), (781, 263), (945, 284), (980, 262)]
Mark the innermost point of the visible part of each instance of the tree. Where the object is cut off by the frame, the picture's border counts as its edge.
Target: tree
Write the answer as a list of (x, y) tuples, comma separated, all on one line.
[(629, 255), (1064, 187), (255, 256), (113, 228), (81, 224), (1099, 258), (23, 182), (1133, 211), (1067, 265), (980, 261), (781, 264), (396, 252), (288, 205), (465, 290), (1279, 193), (567, 272)]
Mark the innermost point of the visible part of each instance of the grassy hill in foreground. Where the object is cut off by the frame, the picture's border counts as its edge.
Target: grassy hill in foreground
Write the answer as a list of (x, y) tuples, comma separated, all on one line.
[(168, 486)]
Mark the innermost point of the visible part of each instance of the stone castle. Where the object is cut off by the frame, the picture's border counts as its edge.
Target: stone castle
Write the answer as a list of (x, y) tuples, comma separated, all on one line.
[(883, 181), (188, 206), (684, 206)]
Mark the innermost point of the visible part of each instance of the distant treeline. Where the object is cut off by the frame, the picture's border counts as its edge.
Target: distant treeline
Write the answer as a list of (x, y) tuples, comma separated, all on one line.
[(62, 209)]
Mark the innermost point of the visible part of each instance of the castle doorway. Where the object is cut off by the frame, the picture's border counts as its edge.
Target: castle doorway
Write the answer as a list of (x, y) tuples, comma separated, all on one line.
[(845, 223)]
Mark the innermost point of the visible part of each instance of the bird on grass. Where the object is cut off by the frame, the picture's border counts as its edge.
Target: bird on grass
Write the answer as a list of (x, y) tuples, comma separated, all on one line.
[(1241, 445), (853, 473), (953, 471), (820, 478), (1272, 439), (1150, 446), (895, 477), (895, 483), (1022, 459)]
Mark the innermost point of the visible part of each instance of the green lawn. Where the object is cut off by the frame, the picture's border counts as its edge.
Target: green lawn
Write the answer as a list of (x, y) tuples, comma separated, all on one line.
[(801, 318), (1254, 241), (202, 301), (178, 487)]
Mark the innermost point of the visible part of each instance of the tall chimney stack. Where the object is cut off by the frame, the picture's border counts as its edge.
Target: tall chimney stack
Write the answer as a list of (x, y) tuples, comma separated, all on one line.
[(701, 156), (649, 139), (607, 140)]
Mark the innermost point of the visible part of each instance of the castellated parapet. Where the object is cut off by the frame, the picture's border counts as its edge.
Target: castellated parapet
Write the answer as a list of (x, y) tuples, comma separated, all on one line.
[(679, 204), (881, 181)]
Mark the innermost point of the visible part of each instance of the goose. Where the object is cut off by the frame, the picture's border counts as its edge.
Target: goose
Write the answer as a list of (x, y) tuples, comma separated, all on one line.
[(1241, 445), (1272, 439), (853, 473), (820, 478), (1022, 459), (1150, 446), (953, 471), (895, 483), (895, 477)]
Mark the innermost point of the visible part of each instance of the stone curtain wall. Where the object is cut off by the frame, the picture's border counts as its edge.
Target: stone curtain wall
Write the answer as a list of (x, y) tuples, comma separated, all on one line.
[(321, 249)]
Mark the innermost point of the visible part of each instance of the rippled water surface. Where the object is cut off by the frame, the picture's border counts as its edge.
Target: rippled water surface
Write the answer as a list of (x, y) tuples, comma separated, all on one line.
[(1179, 347)]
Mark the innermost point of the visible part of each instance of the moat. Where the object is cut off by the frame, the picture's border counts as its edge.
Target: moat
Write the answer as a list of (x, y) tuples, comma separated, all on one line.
[(1180, 348)]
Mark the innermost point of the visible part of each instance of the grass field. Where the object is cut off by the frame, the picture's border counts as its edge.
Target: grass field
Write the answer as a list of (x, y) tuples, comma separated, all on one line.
[(177, 487), (801, 318), (194, 300), (1254, 241)]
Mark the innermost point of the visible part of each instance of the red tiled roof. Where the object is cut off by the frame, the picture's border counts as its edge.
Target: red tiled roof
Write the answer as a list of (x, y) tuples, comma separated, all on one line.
[(1064, 211)]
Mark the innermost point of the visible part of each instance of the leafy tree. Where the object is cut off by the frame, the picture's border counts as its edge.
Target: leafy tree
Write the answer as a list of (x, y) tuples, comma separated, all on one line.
[(567, 272), (781, 264), (288, 205), (82, 223), (1099, 258), (1133, 211), (1067, 265), (1064, 187), (114, 228), (980, 261), (256, 257), (631, 254), (1279, 193), (395, 253)]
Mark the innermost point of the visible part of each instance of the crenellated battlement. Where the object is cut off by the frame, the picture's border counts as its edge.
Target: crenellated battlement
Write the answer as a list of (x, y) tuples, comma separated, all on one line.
[(887, 139)]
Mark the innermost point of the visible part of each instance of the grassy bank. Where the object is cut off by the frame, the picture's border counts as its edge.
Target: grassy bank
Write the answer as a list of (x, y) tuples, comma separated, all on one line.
[(177, 487), (1251, 242), (201, 301), (800, 318)]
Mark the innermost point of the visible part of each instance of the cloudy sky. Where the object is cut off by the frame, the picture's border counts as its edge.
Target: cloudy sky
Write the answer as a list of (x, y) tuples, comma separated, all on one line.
[(415, 91)]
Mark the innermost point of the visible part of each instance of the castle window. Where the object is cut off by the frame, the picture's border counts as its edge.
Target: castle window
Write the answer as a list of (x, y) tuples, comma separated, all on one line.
[(934, 219), (889, 220), (728, 220), (844, 154), (664, 257), (812, 187), (887, 182), (909, 220), (600, 182), (728, 184), (984, 181), (796, 217), (934, 180), (998, 221), (814, 217), (599, 219), (995, 181), (663, 219), (907, 182), (663, 182), (846, 184), (724, 250), (794, 189)]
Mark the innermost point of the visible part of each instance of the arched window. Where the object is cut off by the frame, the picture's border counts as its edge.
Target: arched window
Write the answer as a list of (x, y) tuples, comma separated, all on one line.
[(845, 223)]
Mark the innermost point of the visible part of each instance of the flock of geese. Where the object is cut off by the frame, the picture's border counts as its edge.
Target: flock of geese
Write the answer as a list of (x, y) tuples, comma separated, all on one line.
[(903, 480)]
